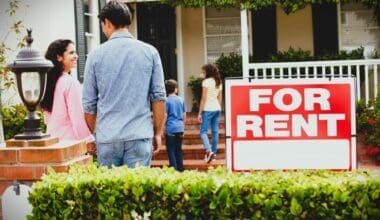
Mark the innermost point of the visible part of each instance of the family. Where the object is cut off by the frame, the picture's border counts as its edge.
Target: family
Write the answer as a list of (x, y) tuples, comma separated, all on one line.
[(125, 106)]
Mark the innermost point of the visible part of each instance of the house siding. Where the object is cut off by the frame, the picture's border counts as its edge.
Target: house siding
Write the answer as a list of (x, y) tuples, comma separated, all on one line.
[(295, 30), (193, 47)]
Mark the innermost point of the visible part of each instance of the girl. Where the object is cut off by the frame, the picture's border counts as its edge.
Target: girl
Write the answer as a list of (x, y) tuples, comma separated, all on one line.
[(61, 104), (209, 109)]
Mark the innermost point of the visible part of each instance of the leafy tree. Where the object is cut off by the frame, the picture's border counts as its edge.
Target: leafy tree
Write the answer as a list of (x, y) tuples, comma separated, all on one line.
[(15, 28)]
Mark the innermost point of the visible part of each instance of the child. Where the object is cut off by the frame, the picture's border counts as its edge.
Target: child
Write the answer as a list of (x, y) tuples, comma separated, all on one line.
[(175, 125), (209, 109)]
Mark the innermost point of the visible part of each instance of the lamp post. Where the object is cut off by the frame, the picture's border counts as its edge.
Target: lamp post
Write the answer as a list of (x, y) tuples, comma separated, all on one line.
[(31, 73)]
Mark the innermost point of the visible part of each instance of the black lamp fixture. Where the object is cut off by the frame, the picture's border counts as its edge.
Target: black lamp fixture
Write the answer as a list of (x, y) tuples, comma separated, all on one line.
[(31, 73)]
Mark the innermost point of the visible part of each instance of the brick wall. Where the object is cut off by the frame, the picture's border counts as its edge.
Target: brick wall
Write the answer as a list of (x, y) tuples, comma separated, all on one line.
[(27, 161)]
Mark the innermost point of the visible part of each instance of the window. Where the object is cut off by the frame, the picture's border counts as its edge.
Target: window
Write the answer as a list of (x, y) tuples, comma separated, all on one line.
[(222, 32), (359, 27)]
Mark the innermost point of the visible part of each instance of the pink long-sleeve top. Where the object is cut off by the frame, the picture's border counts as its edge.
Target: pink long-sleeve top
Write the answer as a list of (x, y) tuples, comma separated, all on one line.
[(66, 120)]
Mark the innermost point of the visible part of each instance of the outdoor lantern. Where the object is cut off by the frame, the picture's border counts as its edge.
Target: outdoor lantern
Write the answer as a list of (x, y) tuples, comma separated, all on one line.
[(31, 73)]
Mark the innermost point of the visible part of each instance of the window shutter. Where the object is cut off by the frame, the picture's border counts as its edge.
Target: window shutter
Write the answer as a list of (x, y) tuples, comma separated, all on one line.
[(80, 37), (103, 38)]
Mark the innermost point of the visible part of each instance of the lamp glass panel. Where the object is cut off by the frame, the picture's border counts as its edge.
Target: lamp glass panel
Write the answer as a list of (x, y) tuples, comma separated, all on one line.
[(30, 86)]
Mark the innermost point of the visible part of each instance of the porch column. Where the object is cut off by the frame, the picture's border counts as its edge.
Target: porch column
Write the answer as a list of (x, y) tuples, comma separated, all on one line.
[(244, 41)]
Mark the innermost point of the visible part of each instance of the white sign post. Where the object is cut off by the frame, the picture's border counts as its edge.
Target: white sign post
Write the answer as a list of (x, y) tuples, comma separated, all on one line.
[(290, 124)]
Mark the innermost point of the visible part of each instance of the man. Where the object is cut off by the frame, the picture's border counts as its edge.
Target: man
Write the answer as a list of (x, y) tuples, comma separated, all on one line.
[(123, 80)]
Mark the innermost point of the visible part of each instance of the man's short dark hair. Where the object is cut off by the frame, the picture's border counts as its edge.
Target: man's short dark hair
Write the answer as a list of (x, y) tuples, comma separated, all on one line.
[(170, 86), (117, 13)]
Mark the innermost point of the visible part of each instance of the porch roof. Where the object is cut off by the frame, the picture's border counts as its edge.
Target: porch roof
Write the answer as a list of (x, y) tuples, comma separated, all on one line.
[(288, 6)]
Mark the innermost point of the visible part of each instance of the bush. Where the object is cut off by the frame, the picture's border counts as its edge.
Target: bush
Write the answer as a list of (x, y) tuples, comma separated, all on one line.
[(293, 55), (368, 125), (195, 84), (231, 65), (13, 120), (121, 193)]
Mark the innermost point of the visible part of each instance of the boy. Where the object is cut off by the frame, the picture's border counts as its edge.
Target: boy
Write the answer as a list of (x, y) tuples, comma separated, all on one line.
[(175, 125)]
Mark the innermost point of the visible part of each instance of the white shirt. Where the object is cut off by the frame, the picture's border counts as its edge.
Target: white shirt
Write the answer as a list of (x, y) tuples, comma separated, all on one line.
[(212, 103)]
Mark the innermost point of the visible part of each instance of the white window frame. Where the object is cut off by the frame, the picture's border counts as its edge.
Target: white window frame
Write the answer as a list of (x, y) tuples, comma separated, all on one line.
[(205, 31), (92, 35)]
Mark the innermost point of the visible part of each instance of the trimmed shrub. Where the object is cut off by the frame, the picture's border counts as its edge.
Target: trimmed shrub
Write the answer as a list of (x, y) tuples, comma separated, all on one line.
[(122, 193), (13, 120)]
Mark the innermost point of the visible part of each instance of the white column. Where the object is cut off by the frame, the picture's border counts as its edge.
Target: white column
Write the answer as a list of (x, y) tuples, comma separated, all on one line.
[(179, 52), (244, 41), (94, 23)]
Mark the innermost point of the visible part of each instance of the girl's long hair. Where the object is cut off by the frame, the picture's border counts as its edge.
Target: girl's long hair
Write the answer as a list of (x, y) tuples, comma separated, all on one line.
[(212, 71), (57, 47)]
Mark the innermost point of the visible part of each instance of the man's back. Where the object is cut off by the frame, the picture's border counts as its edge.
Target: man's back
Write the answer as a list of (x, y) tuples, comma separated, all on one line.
[(122, 77)]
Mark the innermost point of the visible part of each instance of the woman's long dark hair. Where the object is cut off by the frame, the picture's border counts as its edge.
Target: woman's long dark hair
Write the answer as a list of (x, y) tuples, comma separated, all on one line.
[(212, 71), (57, 47)]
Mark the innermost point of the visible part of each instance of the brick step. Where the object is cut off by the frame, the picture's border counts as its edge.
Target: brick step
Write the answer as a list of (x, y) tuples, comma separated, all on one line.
[(192, 122), (193, 137), (198, 126), (191, 152), (192, 164), (191, 134), (198, 141)]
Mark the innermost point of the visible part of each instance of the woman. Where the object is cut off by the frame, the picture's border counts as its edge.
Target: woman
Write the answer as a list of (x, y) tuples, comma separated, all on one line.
[(209, 109), (61, 104)]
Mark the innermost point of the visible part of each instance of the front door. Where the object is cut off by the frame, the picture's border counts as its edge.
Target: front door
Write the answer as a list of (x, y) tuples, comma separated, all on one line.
[(156, 26)]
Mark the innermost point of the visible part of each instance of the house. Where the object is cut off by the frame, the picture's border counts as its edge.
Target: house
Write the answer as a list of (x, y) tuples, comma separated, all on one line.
[(189, 37)]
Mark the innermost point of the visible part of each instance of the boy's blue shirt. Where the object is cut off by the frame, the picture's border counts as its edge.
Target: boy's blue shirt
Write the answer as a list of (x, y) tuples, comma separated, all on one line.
[(175, 107)]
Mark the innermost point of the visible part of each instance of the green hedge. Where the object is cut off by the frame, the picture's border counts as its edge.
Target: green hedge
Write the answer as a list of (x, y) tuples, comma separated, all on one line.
[(13, 120), (122, 193)]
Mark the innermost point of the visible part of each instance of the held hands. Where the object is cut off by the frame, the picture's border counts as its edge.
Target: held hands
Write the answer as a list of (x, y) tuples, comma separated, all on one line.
[(91, 148)]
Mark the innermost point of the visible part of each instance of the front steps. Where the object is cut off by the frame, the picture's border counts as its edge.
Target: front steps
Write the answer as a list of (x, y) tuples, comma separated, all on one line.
[(193, 152)]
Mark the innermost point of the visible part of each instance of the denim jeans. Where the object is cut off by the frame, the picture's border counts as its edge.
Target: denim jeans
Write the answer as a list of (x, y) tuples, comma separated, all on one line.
[(174, 149), (128, 153), (210, 118)]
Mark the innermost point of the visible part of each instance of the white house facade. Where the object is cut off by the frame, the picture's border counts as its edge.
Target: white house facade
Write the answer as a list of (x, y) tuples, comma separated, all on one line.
[(187, 38)]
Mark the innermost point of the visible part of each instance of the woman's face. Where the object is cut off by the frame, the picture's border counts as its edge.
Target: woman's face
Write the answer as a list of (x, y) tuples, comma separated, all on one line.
[(69, 58), (203, 74)]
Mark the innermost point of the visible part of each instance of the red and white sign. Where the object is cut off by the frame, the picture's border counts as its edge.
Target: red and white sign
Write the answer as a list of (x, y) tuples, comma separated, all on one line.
[(290, 124)]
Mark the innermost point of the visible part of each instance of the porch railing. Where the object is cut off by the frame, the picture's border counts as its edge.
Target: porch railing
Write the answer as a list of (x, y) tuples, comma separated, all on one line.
[(367, 73)]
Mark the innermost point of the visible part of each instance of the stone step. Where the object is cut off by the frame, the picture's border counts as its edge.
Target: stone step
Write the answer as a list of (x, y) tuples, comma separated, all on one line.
[(200, 165), (191, 152)]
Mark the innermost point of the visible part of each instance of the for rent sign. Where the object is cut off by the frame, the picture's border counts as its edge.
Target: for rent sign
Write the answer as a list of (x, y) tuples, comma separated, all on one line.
[(290, 124)]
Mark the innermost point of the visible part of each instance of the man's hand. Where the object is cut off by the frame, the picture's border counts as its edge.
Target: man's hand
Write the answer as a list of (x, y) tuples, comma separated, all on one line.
[(157, 142)]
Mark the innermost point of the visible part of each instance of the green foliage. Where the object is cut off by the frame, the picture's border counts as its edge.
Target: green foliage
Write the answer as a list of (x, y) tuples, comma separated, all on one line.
[(195, 84), (293, 55), (289, 6), (13, 120), (230, 65), (368, 121), (122, 193), (14, 28)]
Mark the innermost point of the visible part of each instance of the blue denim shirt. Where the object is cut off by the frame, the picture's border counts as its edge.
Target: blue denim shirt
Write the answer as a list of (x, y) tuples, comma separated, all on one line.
[(121, 79)]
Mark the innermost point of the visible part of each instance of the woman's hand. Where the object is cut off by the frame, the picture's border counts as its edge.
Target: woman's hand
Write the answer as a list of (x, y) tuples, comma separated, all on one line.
[(200, 118)]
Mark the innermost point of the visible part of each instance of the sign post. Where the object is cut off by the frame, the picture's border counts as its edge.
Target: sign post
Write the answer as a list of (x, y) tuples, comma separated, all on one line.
[(290, 124)]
